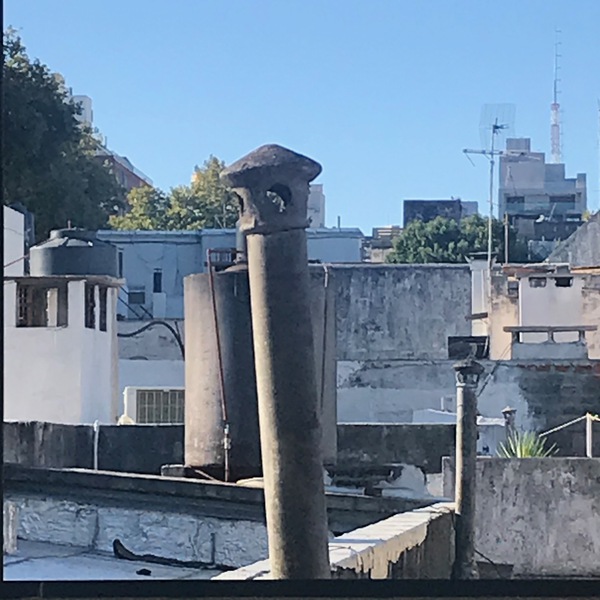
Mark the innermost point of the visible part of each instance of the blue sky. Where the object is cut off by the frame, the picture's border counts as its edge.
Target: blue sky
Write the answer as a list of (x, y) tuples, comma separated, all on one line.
[(384, 93)]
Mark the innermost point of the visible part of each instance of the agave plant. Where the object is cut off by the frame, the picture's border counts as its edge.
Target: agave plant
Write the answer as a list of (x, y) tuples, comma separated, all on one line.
[(525, 444)]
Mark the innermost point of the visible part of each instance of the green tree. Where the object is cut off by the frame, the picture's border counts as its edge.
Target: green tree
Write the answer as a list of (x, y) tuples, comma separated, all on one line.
[(48, 158), (446, 241), (147, 210), (206, 203)]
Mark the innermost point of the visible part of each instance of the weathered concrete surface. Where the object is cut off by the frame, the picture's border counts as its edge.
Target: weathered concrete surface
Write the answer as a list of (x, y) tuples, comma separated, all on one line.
[(188, 496), (540, 515), (380, 444), (162, 533), (413, 545), (391, 312), (582, 248), (545, 395), (10, 524)]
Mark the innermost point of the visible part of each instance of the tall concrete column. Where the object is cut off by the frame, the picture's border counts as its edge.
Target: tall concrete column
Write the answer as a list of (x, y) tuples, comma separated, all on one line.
[(273, 185), (468, 373)]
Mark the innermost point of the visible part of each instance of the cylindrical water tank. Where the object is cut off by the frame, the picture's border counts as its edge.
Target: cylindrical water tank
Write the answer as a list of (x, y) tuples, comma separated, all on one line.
[(73, 252), (204, 435)]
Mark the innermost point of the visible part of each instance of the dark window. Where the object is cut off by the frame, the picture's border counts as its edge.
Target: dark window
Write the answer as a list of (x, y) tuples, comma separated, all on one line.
[(103, 294), (537, 282), (32, 306), (120, 256), (90, 306), (137, 297), (563, 199), (563, 281), (157, 282), (513, 288), (515, 199)]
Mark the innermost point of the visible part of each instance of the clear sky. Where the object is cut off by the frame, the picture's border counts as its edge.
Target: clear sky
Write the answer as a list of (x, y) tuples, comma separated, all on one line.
[(384, 93)]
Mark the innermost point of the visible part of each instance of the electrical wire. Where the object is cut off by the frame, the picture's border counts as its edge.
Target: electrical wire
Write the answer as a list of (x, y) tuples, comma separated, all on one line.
[(151, 324)]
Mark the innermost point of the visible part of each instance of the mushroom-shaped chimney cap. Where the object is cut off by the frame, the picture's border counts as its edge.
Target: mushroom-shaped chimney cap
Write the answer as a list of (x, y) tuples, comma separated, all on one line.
[(269, 161)]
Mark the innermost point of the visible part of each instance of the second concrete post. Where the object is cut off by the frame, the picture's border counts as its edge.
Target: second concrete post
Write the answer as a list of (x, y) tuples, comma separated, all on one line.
[(467, 377)]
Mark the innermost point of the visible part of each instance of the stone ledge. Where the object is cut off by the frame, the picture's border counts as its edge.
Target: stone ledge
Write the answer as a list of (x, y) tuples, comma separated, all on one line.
[(370, 551)]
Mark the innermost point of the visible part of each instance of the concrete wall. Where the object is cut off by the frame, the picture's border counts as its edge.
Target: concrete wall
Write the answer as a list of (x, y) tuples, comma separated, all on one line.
[(413, 545), (545, 394), (540, 515), (391, 312), (419, 445), (582, 248), (166, 533), (14, 241), (123, 448)]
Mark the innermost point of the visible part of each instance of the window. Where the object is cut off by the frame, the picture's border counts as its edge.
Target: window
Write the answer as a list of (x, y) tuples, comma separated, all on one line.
[(157, 281), (537, 282), (513, 288), (563, 282), (42, 306), (32, 304), (515, 199), (137, 297), (103, 297), (90, 306), (160, 406), (120, 268)]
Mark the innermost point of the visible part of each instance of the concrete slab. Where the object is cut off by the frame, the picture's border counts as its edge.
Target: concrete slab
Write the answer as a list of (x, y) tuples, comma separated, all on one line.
[(39, 561)]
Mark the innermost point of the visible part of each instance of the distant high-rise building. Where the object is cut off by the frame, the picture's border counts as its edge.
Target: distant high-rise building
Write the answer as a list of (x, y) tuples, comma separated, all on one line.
[(127, 175), (428, 210), (316, 206), (531, 188), (87, 114), (537, 199)]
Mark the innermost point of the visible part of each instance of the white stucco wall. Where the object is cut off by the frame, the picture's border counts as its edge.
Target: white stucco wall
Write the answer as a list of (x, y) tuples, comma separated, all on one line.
[(551, 305), (59, 374), (14, 241)]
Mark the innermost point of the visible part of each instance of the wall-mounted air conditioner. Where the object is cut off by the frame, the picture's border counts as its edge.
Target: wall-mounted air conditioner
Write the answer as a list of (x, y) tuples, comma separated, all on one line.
[(152, 405)]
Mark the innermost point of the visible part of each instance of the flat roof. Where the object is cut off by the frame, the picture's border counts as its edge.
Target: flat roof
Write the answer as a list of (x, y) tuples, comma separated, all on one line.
[(42, 561)]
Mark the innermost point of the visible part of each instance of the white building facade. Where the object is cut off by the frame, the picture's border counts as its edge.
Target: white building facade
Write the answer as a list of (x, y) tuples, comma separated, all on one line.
[(60, 349)]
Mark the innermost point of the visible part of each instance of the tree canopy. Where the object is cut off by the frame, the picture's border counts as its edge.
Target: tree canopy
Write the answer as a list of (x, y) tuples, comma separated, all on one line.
[(446, 241), (205, 203), (48, 158)]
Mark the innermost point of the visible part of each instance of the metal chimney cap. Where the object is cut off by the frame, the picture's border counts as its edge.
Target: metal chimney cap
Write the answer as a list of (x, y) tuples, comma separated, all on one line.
[(270, 161)]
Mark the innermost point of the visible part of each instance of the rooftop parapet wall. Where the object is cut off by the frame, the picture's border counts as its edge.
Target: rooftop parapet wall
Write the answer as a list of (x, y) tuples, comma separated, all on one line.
[(540, 515), (413, 545)]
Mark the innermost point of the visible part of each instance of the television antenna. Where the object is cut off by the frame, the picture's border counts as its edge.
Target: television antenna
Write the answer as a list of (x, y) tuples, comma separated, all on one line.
[(491, 132)]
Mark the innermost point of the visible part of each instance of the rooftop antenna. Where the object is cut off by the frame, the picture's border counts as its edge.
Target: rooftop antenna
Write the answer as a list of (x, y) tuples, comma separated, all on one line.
[(499, 126), (555, 106)]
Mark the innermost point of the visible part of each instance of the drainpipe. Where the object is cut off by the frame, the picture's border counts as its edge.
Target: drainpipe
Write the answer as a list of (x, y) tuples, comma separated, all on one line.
[(273, 184), (96, 428), (468, 373)]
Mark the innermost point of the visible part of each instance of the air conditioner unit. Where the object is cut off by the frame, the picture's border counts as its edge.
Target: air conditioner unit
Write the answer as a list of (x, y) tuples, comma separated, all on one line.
[(154, 405)]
